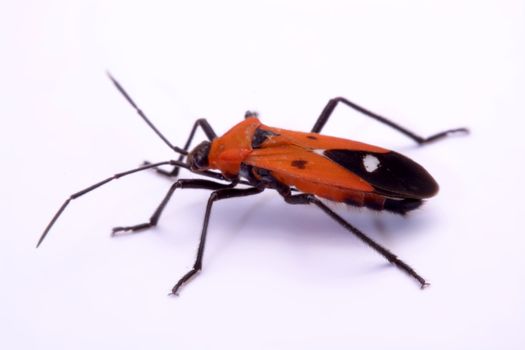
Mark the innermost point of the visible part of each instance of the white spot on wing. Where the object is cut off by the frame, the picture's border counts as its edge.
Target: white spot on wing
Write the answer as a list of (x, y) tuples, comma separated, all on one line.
[(318, 151), (371, 163)]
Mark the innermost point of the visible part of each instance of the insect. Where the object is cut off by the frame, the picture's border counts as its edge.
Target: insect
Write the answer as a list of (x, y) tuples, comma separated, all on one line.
[(302, 167)]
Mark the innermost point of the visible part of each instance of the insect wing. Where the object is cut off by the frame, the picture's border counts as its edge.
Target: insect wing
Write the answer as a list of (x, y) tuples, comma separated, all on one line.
[(297, 164), (351, 164)]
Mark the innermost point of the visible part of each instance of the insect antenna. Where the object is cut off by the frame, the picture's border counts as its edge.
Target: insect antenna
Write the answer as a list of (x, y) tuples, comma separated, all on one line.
[(103, 182), (144, 117)]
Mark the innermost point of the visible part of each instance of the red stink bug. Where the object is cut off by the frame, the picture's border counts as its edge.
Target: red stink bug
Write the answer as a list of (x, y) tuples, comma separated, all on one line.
[(300, 166)]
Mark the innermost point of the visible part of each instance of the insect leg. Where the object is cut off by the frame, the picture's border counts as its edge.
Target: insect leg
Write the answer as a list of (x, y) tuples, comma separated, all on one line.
[(183, 183), (330, 106), (98, 184), (215, 196), (392, 258)]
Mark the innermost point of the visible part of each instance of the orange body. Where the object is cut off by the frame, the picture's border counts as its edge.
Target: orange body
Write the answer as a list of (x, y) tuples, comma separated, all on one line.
[(296, 159)]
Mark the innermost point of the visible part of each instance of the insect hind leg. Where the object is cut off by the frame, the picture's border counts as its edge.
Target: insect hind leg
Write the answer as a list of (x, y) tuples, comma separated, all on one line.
[(305, 198), (330, 106)]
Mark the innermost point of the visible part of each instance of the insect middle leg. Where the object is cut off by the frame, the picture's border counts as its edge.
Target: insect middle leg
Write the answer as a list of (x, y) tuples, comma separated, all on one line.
[(215, 196), (392, 258), (330, 106), (182, 183)]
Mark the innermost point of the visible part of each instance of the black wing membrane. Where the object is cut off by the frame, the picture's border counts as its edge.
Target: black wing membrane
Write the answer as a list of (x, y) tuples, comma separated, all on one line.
[(391, 174)]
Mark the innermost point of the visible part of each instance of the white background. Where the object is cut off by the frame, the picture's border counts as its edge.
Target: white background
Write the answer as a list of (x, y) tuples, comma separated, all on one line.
[(275, 276)]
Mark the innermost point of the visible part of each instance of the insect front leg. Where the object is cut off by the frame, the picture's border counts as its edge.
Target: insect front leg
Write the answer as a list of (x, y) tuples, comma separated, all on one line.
[(330, 106), (183, 183), (215, 196), (305, 198)]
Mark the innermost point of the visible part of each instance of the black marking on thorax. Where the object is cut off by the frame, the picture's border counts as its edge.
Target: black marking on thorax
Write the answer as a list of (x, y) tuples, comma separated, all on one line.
[(260, 136)]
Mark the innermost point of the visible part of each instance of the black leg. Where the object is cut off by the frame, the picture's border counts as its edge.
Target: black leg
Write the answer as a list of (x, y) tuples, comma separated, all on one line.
[(330, 106), (392, 258), (183, 183), (210, 134), (98, 184), (215, 196)]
